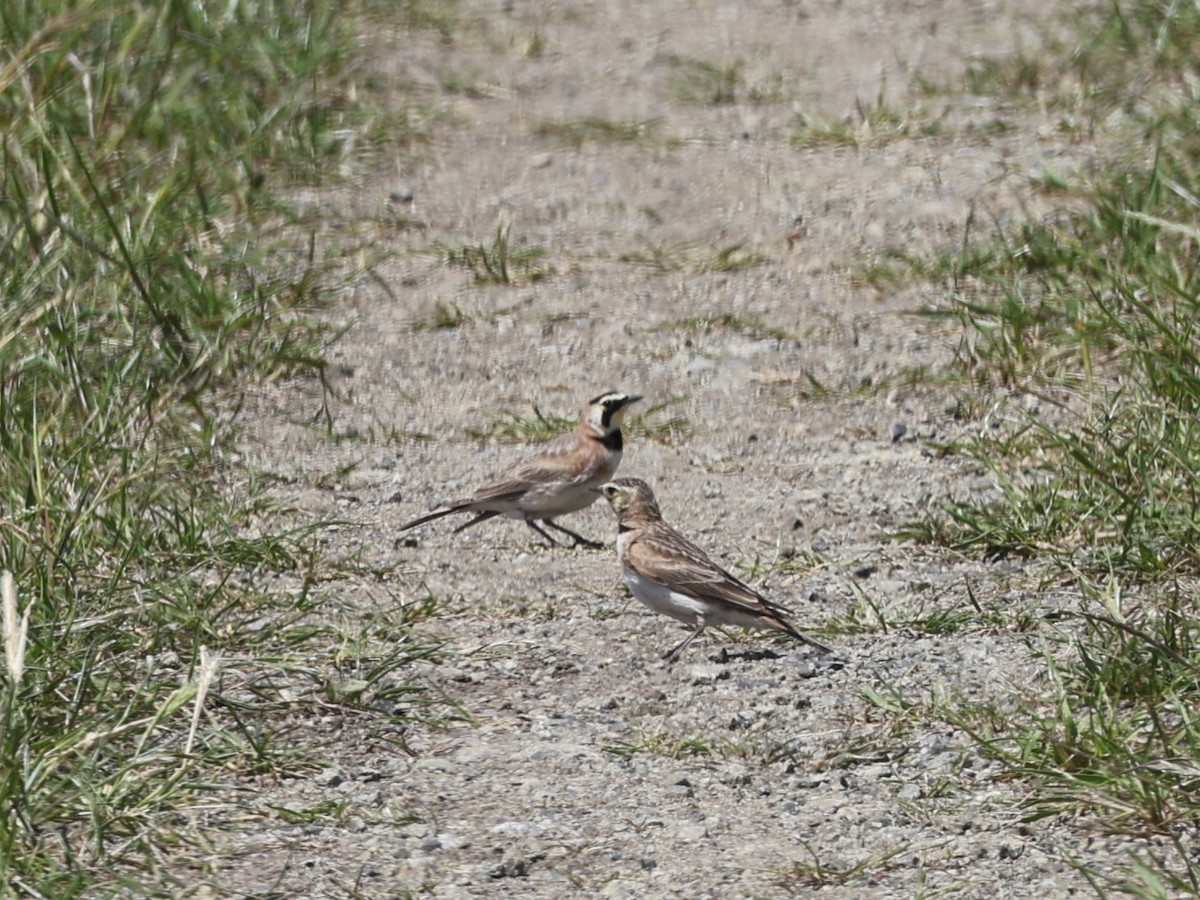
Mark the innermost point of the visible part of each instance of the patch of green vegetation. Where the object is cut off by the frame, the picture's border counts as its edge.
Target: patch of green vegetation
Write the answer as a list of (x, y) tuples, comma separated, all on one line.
[(702, 82), (534, 46), (887, 727), (748, 324), (1009, 77), (774, 88), (1104, 309), (818, 872), (664, 431), (732, 258), (461, 85), (1094, 313), (885, 274), (499, 262), (327, 812), (805, 386), (1108, 730), (440, 16), (919, 612), (790, 562), (1052, 78), (665, 258), (896, 268), (507, 427), (445, 317), (367, 120), (1094, 310), (370, 659), (151, 276), (869, 126), (660, 257), (754, 744), (1115, 66), (577, 132), (661, 744)]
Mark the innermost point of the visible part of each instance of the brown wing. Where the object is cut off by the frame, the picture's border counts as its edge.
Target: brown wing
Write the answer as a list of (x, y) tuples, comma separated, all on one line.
[(557, 462), (667, 557)]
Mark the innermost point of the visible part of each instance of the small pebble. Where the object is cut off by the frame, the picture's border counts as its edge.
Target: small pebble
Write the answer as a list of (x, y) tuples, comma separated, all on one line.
[(329, 778)]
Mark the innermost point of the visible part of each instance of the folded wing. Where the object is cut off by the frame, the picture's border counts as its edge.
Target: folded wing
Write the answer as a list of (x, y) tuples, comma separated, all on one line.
[(682, 565)]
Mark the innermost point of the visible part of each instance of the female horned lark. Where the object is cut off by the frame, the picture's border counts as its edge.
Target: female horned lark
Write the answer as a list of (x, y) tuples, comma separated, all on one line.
[(673, 576), (560, 478)]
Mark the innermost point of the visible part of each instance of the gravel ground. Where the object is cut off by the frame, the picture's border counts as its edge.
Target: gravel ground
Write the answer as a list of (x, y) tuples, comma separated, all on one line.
[(578, 763)]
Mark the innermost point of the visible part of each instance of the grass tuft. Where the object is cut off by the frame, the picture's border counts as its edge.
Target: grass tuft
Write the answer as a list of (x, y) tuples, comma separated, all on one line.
[(748, 324), (499, 262), (702, 82), (1109, 731), (816, 872), (665, 258), (1094, 312), (152, 274), (870, 126), (1092, 315), (445, 317), (591, 129)]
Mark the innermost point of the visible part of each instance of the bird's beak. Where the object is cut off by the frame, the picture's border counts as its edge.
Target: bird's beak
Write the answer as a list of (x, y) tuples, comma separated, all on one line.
[(631, 400), (596, 490)]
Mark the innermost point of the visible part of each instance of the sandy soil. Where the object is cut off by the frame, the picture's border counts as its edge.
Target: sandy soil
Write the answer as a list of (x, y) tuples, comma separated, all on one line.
[(584, 766)]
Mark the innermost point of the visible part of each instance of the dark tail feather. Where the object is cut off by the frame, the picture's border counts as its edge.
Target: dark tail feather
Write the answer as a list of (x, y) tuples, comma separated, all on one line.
[(429, 518), (805, 639)]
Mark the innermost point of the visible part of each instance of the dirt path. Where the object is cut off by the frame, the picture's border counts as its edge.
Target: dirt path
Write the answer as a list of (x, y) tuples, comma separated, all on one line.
[(587, 768)]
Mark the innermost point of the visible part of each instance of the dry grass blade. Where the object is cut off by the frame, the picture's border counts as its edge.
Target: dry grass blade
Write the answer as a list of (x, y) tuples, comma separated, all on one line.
[(16, 629)]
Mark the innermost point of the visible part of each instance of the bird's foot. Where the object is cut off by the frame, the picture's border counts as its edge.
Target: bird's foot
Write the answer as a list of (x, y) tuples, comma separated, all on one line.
[(579, 539)]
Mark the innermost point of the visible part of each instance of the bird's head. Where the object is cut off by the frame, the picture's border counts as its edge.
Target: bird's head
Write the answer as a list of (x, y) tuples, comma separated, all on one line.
[(605, 413), (630, 497)]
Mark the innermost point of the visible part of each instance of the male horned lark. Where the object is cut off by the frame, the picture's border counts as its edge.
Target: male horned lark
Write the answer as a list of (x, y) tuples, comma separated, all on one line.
[(560, 478), (673, 576)]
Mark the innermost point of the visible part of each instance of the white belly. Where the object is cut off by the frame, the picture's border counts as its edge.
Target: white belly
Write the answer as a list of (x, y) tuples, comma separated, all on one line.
[(687, 608), (554, 501), (663, 600)]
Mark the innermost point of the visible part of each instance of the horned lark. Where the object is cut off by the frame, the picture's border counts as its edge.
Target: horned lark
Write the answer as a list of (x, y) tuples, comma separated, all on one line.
[(560, 478), (673, 576)]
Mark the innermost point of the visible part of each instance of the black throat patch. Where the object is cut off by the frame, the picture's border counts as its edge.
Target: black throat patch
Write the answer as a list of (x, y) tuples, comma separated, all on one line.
[(612, 440)]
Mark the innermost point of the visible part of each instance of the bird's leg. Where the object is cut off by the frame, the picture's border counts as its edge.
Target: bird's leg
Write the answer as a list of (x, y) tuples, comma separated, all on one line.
[(532, 524), (580, 540), (678, 649), (482, 517)]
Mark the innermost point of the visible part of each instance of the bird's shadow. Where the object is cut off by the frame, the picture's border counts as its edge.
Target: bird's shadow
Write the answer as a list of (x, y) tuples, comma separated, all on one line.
[(753, 655)]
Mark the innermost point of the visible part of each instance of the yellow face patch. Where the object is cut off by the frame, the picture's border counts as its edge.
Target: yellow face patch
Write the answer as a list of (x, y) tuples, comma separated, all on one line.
[(616, 497)]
